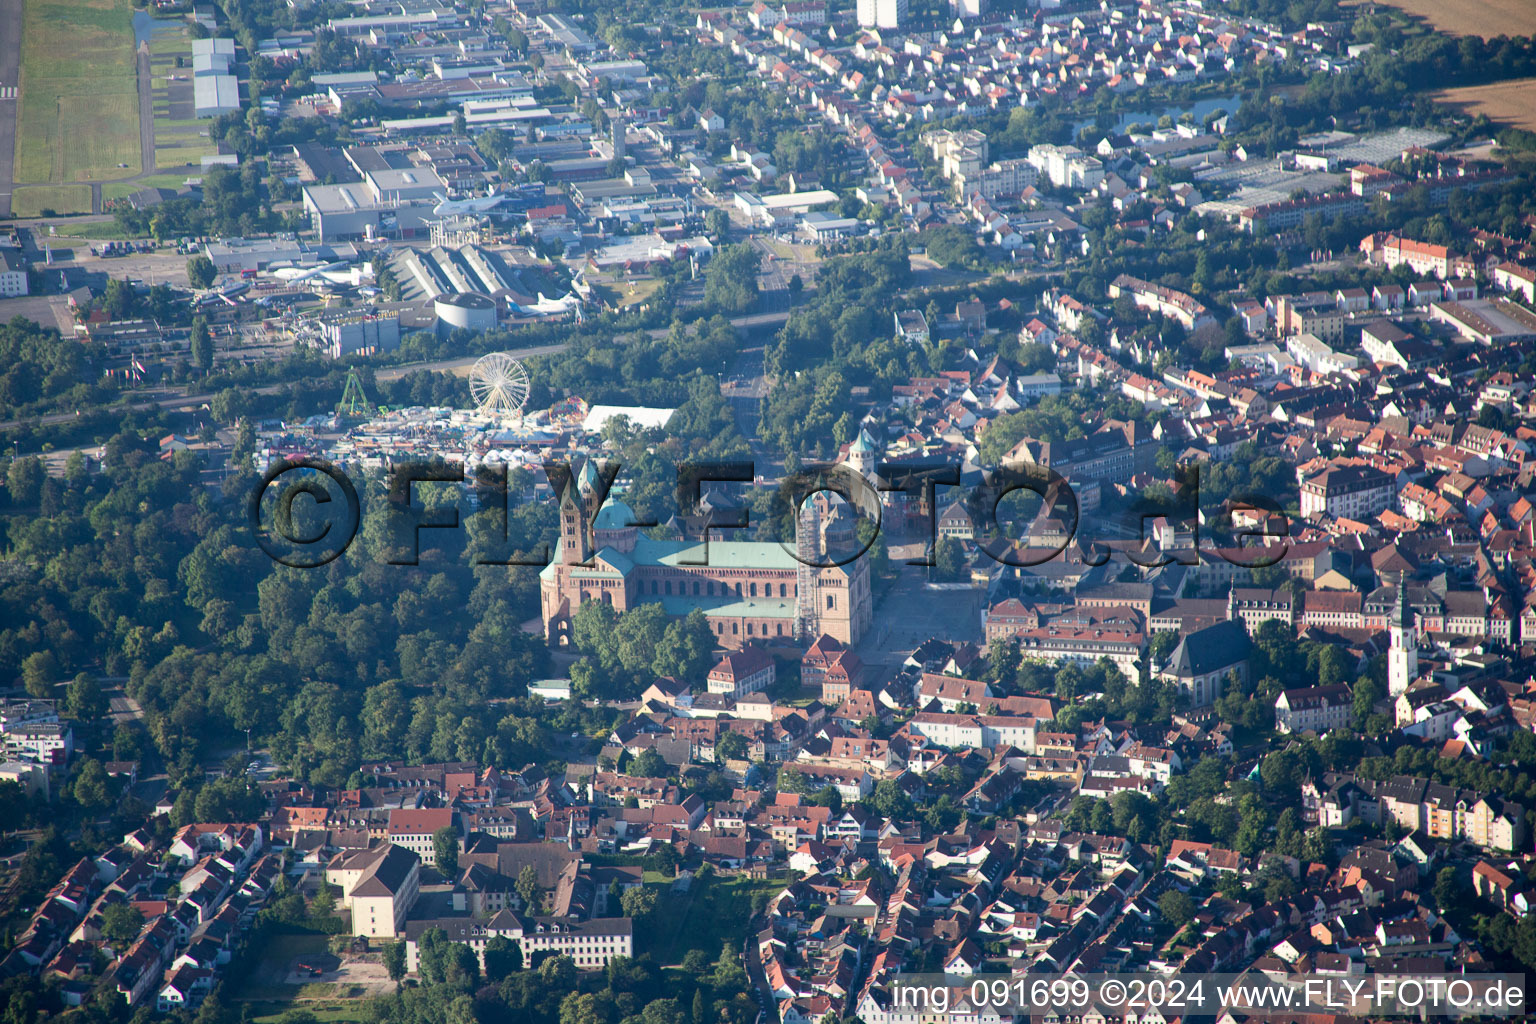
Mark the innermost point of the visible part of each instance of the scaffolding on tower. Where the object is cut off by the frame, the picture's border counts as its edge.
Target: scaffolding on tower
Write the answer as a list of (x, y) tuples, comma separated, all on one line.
[(808, 551)]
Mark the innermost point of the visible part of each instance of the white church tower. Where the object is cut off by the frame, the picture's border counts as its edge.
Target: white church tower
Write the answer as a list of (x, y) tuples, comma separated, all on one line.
[(1403, 654), (864, 454)]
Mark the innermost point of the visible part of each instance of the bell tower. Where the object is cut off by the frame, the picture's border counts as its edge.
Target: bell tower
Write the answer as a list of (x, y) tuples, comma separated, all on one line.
[(1403, 653), (577, 515)]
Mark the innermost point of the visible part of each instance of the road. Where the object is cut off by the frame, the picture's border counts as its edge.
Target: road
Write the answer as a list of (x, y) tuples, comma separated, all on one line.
[(742, 323), (146, 113), (10, 81), (193, 401), (124, 709)]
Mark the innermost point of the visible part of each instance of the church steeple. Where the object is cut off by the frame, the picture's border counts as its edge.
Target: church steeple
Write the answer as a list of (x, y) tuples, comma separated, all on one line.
[(1402, 614), (578, 501), (1403, 654)]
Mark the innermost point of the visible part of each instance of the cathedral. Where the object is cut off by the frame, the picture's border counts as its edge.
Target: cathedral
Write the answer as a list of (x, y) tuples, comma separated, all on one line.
[(749, 590)]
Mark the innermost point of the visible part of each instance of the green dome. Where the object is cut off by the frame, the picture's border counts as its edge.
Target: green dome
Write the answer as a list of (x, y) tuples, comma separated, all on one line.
[(614, 515)]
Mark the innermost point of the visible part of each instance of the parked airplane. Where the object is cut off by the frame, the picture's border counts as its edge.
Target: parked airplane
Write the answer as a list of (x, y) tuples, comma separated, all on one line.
[(550, 307), (293, 274), (447, 207)]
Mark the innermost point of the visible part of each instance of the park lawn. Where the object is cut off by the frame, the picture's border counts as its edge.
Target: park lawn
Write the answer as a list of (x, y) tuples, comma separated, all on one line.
[(713, 913), (180, 156), (166, 179), (32, 200), (78, 115), (96, 231), (633, 293)]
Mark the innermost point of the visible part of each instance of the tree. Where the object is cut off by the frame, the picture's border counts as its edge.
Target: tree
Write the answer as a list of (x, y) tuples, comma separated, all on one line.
[(1315, 847), (120, 924), (948, 559), (1367, 691), (638, 901), (323, 907), (1446, 891), (558, 972), (24, 479), (394, 960), (39, 670), (1176, 907), (76, 469), (83, 699), (730, 280), (717, 224), (890, 801), (731, 747), (648, 764), (445, 846), (1161, 645), (502, 957), (201, 271), (92, 785), (202, 344), (118, 299), (528, 888), (461, 966)]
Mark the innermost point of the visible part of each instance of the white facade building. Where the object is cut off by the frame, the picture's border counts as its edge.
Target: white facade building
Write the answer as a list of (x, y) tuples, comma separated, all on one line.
[(882, 13)]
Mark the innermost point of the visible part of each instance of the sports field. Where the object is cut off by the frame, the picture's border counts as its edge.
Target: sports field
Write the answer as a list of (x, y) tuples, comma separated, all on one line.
[(79, 112), (1508, 103), (1485, 18)]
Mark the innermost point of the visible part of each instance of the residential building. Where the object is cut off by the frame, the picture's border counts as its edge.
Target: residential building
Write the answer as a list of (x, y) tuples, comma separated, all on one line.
[(379, 885), (1316, 709)]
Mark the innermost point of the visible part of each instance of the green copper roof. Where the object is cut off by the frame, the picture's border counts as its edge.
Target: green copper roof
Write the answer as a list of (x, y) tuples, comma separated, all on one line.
[(614, 515), (763, 608)]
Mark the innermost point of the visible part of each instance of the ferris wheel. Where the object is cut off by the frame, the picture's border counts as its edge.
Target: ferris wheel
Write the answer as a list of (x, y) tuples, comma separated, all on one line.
[(499, 384)]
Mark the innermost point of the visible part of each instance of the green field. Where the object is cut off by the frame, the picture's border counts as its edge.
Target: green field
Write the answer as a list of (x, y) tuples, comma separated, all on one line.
[(78, 116), (96, 231), (167, 157), (32, 200), (713, 914)]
